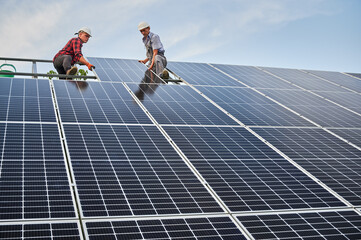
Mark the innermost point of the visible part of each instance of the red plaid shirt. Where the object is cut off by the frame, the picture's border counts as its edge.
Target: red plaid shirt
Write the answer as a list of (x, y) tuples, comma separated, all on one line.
[(72, 48)]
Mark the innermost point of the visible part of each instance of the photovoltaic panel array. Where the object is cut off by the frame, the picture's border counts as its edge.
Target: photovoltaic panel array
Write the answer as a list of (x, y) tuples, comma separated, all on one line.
[(232, 152)]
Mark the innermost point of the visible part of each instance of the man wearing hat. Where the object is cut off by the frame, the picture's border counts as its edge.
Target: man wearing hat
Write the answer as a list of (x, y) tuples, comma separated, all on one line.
[(155, 51), (65, 59)]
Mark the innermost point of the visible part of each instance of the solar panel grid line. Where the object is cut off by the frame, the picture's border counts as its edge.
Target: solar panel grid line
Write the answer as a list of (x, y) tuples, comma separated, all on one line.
[(273, 100), (300, 168)]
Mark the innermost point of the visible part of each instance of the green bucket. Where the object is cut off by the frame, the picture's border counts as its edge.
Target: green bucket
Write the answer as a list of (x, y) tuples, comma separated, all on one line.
[(2, 70)]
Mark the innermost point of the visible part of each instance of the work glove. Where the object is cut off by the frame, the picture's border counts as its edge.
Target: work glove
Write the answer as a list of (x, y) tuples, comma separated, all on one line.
[(90, 66)]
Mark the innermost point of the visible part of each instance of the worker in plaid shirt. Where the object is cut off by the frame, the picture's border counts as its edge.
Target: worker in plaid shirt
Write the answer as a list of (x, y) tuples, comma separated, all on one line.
[(65, 59)]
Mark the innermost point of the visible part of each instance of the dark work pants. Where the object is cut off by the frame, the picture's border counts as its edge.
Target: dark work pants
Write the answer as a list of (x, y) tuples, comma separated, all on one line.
[(62, 63)]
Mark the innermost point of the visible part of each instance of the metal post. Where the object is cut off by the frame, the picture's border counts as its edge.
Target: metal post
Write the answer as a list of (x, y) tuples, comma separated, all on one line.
[(34, 69)]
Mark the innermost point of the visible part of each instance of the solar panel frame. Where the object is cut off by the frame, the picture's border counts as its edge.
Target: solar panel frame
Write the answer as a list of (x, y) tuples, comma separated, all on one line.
[(352, 135)]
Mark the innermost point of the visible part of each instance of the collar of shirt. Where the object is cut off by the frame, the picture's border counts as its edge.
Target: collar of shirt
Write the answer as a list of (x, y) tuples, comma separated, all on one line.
[(147, 38)]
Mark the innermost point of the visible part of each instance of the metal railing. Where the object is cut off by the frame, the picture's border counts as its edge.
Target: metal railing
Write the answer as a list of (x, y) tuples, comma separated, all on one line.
[(34, 72)]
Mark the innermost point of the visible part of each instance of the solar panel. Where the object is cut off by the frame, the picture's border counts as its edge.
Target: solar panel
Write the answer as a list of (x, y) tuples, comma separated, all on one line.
[(132, 170), (180, 228), (339, 78), (201, 74), (119, 70), (34, 182), (304, 80), (26, 100), (252, 108), (334, 162), (173, 104), (309, 225), (54, 230), (98, 102), (129, 156), (254, 77), (320, 111), (358, 75), (245, 173)]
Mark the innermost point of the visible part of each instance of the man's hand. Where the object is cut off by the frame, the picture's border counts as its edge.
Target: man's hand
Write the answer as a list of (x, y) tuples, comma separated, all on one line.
[(143, 61), (90, 66)]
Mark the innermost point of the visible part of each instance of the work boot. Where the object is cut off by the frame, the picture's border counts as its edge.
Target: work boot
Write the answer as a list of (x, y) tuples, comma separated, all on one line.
[(72, 71), (165, 74)]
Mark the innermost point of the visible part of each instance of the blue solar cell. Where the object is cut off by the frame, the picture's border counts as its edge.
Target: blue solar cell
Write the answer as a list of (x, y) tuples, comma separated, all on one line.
[(254, 77), (334, 162), (252, 108), (350, 100), (26, 100), (245, 173), (34, 182), (339, 78), (132, 170), (316, 225), (100, 102), (201, 74), (55, 230), (315, 108), (352, 135), (172, 104), (181, 228), (304, 79)]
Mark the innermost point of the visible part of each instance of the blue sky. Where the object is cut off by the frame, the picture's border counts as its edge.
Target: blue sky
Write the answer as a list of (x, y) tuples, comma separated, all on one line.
[(303, 34)]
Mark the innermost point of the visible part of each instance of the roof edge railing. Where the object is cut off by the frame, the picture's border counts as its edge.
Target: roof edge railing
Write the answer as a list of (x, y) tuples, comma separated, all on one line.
[(34, 73)]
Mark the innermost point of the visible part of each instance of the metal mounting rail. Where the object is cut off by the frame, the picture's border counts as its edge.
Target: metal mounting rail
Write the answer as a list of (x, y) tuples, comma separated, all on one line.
[(48, 75), (25, 59)]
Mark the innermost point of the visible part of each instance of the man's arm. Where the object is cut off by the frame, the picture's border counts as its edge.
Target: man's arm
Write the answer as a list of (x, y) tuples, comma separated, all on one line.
[(144, 61), (155, 52), (83, 61)]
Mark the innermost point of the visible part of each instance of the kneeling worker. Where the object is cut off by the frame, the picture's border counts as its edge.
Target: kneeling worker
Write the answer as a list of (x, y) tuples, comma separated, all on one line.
[(65, 59), (155, 51)]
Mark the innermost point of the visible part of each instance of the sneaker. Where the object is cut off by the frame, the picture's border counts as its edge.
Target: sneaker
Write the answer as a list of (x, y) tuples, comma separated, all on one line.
[(165, 74), (72, 71)]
